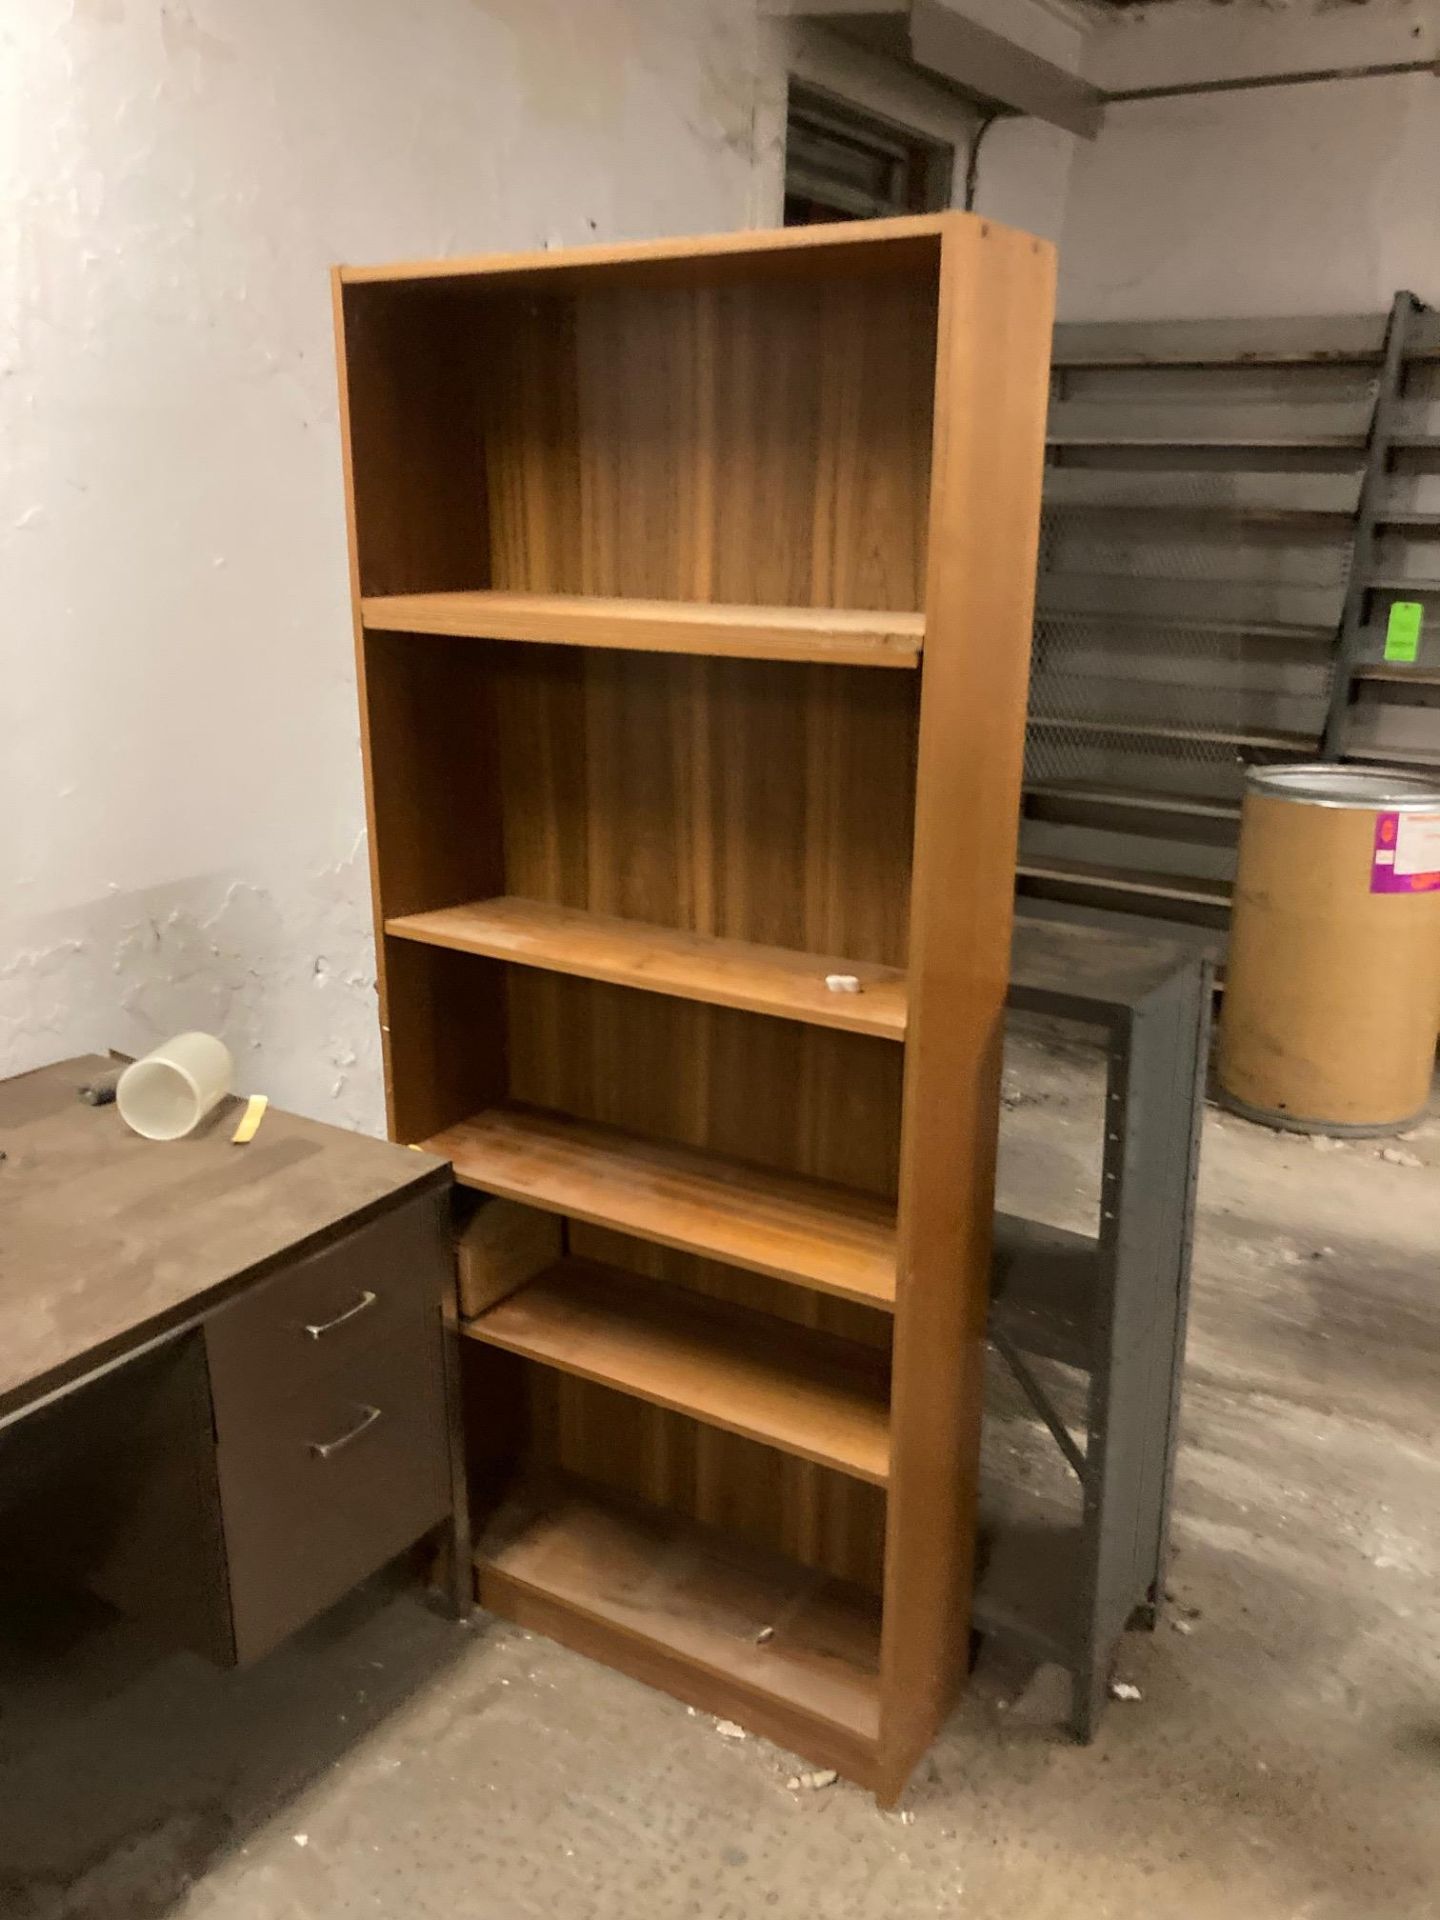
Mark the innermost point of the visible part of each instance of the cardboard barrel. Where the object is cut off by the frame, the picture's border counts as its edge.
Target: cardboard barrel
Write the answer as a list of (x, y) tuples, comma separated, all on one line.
[(1333, 974)]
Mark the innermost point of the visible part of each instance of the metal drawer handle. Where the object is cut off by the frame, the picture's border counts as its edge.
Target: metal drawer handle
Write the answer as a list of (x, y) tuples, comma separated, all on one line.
[(367, 1299), (322, 1449)]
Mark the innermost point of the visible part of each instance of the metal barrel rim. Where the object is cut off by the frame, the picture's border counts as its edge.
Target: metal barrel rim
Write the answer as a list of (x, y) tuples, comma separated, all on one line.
[(1322, 783)]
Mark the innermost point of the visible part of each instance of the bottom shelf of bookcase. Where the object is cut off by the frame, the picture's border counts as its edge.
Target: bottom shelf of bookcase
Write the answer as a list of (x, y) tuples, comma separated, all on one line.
[(728, 1629)]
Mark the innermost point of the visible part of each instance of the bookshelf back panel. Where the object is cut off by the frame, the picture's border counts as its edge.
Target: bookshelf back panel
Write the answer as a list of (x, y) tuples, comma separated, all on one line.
[(442, 1030), (524, 1420), (751, 800), (417, 464), (812, 1514), (800, 1099), (806, 1306), (434, 771), (740, 438)]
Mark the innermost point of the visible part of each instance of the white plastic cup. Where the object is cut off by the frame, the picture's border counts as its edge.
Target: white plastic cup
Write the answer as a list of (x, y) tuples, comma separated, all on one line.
[(167, 1093)]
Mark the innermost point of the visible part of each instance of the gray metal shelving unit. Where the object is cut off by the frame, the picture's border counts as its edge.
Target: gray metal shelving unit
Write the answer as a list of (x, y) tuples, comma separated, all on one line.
[(1108, 1308)]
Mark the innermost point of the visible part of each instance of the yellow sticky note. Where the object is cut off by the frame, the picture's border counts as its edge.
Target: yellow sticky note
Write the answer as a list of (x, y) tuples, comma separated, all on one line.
[(249, 1120)]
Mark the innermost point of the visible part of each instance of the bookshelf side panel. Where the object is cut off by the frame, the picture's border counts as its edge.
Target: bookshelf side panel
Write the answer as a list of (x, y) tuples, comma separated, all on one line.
[(991, 390)]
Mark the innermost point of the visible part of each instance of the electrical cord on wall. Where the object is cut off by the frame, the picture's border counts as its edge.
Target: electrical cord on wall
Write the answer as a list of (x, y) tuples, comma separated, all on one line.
[(972, 164)]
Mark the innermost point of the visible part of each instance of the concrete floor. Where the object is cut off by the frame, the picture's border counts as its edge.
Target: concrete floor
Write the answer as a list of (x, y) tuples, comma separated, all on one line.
[(1284, 1758)]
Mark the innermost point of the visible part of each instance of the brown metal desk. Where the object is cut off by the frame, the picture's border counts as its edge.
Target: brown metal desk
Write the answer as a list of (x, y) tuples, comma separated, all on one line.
[(225, 1390)]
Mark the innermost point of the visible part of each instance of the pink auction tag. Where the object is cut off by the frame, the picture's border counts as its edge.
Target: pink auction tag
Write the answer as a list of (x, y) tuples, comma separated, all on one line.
[(1407, 853)]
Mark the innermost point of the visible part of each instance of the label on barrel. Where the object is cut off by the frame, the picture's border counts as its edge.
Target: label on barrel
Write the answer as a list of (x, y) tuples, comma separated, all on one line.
[(1407, 853)]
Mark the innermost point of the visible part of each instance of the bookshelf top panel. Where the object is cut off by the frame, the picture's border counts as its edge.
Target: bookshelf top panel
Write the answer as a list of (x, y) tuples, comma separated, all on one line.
[(900, 245)]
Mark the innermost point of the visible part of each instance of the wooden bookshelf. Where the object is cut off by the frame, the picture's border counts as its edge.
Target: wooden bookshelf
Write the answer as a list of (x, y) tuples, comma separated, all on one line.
[(631, 528)]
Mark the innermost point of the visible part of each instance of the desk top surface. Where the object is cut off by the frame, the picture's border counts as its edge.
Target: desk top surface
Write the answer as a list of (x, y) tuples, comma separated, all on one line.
[(108, 1240)]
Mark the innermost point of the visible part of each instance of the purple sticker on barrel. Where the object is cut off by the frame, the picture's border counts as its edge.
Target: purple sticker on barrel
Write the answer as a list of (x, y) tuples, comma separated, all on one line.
[(1407, 853)]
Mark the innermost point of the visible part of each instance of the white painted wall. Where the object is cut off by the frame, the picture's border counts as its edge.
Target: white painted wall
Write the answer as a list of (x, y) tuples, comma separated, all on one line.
[(182, 837), (1303, 200), (1023, 176)]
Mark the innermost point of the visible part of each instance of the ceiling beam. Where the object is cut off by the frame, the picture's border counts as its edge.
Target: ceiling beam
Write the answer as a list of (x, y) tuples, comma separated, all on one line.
[(984, 65), (975, 57)]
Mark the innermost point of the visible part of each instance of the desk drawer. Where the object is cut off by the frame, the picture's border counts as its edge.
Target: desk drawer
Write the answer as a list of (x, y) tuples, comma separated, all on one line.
[(334, 1481), (371, 1288)]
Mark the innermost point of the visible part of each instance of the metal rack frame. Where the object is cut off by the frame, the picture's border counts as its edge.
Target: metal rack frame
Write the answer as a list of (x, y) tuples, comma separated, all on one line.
[(1396, 555), (1230, 507), (1349, 645), (1112, 1306)]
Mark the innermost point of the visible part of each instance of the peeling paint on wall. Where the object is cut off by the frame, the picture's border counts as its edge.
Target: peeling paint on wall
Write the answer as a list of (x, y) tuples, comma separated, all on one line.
[(284, 971)]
